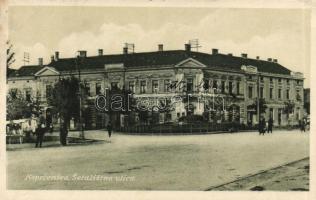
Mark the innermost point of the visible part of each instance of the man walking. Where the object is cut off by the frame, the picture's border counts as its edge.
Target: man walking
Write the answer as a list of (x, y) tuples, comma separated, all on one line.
[(40, 131), (270, 124), (109, 128), (262, 125)]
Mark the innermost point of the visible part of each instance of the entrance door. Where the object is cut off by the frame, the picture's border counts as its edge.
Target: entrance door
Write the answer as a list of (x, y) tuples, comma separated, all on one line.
[(279, 116)]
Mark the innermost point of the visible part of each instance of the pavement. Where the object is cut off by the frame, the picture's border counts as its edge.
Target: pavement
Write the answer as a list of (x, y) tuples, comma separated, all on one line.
[(130, 162), (293, 176)]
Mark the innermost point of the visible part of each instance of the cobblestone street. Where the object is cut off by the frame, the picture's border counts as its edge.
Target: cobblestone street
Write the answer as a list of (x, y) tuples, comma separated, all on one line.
[(191, 162)]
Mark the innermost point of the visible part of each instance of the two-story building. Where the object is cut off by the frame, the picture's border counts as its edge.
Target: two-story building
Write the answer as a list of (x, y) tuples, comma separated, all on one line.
[(222, 87)]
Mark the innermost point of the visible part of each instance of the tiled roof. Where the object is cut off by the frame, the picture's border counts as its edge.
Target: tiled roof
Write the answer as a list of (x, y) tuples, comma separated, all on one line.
[(150, 59)]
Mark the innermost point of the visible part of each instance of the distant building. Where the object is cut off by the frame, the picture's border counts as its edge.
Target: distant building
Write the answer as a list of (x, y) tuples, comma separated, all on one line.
[(307, 100), (224, 87)]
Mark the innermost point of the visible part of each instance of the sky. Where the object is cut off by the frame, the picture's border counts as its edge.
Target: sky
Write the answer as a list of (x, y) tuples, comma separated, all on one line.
[(283, 34)]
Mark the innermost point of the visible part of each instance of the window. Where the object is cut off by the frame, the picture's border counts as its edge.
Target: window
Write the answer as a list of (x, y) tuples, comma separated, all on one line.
[(271, 93), (13, 92), (143, 87), (28, 94), (223, 86), (298, 95), (238, 88), (167, 85), (189, 85), (249, 77), (98, 88), (230, 87), (215, 84), (155, 86), (49, 90), (114, 85), (261, 79), (287, 94), (271, 113), (280, 80), (249, 92), (271, 80), (87, 89), (261, 92), (280, 93), (287, 81), (131, 86), (205, 84)]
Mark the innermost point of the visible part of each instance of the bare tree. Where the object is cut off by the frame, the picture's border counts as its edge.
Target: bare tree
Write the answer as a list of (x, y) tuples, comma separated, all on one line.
[(10, 57)]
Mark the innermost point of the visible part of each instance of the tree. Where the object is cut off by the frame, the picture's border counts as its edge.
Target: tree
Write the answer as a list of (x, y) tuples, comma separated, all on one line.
[(10, 57), (17, 106), (120, 101), (65, 102), (262, 106), (288, 108)]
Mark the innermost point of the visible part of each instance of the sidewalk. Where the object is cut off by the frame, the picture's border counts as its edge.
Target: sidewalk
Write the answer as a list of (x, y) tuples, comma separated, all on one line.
[(73, 139), (293, 176)]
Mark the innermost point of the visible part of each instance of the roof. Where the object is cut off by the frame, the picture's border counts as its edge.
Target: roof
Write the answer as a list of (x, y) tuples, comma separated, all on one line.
[(158, 58), (28, 70)]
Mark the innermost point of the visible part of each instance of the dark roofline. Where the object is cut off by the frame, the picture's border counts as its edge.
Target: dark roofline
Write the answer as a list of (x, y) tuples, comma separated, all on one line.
[(168, 57)]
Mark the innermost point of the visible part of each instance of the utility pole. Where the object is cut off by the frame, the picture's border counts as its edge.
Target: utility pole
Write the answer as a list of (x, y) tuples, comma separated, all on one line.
[(80, 98), (26, 58), (258, 98), (195, 44)]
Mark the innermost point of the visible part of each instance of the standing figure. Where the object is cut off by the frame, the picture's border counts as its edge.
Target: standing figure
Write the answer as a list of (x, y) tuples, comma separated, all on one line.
[(33, 124), (270, 124), (262, 125), (40, 131), (303, 125), (109, 128)]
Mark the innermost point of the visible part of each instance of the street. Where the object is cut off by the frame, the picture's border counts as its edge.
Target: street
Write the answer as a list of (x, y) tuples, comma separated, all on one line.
[(190, 162)]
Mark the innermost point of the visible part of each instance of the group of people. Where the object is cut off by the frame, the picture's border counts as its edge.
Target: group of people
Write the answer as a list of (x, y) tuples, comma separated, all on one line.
[(35, 126), (265, 126)]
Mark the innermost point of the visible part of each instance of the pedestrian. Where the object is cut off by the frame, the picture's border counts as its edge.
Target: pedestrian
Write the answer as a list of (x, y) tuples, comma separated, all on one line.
[(262, 125), (26, 127), (303, 125), (40, 131), (33, 124), (19, 132), (270, 125), (109, 128)]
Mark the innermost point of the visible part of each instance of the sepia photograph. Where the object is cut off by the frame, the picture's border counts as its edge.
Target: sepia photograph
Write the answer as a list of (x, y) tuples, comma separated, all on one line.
[(158, 98)]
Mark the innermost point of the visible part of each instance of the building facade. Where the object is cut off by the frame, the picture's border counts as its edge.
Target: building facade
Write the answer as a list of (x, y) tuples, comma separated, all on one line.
[(217, 86)]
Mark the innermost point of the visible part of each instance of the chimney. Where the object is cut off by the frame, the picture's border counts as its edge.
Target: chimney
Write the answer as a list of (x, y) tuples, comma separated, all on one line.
[(270, 59), (125, 50), (100, 52), (258, 57), (214, 51), (56, 55), (52, 58), (160, 47), (244, 55), (230, 54), (40, 61), (187, 47), (275, 60), (82, 54)]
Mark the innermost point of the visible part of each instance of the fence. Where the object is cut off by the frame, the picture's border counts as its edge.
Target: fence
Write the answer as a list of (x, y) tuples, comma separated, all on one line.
[(201, 128)]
